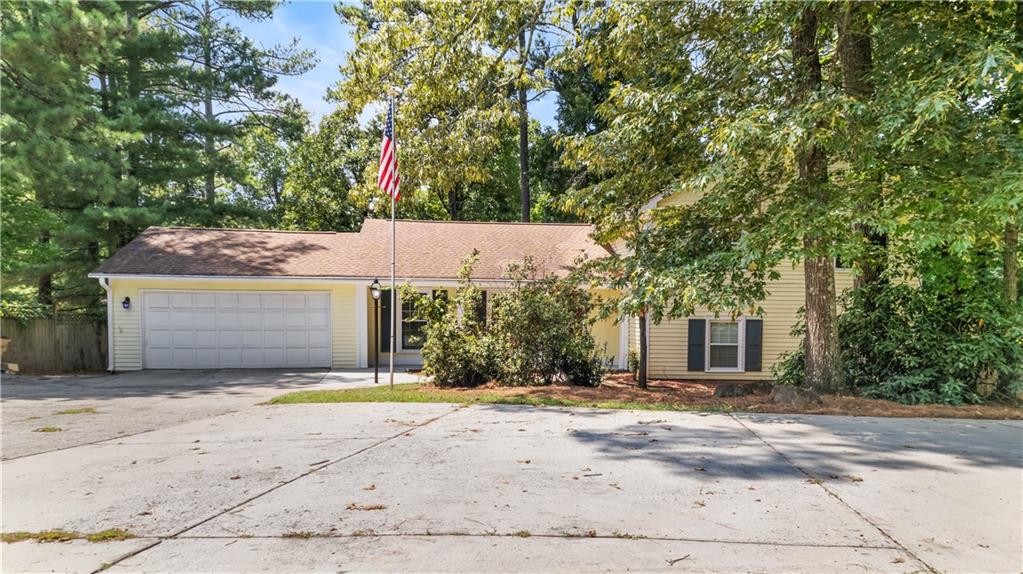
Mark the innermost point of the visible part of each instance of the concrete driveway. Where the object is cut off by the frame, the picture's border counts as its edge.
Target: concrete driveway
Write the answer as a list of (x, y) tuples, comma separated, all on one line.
[(399, 487), (130, 403)]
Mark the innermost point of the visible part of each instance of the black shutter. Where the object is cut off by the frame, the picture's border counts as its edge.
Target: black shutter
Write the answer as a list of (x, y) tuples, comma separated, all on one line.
[(481, 311), (697, 341), (385, 321), (754, 344)]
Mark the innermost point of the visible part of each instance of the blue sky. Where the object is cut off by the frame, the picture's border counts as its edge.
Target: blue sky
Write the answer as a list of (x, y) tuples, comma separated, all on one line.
[(318, 28)]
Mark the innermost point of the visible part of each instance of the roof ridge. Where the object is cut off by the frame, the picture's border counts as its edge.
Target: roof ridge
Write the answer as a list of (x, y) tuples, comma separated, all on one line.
[(535, 223), (247, 229)]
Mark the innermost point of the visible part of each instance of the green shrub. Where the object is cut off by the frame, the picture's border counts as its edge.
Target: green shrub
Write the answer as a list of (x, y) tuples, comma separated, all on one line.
[(920, 345), (457, 352), (633, 361), (539, 332)]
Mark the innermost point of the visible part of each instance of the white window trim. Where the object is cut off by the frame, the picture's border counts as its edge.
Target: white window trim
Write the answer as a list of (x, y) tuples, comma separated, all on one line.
[(400, 323), (741, 325)]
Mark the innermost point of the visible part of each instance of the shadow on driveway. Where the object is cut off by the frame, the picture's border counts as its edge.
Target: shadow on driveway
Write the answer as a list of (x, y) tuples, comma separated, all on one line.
[(181, 384)]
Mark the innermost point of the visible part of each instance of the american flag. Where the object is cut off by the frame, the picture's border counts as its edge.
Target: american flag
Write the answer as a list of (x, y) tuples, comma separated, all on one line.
[(389, 179)]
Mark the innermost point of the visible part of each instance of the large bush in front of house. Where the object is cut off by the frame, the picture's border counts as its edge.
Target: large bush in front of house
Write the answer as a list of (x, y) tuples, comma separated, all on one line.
[(538, 332), (457, 351), (918, 344)]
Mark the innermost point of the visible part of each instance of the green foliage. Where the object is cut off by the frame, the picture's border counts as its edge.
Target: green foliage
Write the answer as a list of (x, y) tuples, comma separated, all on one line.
[(457, 350), (538, 332), (542, 331), (920, 344)]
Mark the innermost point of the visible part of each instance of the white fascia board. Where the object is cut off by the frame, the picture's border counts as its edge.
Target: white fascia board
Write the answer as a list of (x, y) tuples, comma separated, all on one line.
[(301, 279)]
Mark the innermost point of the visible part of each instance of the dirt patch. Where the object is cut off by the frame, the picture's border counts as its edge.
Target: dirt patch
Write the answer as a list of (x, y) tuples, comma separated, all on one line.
[(700, 394)]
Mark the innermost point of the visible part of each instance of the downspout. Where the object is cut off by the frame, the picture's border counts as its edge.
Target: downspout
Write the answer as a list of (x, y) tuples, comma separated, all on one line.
[(104, 282)]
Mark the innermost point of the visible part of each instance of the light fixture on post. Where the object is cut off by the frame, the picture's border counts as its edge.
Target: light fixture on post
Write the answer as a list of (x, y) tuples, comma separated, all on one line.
[(126, 304), (374, 290)]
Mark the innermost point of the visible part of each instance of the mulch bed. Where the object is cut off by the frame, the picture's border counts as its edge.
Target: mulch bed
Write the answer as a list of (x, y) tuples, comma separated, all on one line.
[(622, 387)]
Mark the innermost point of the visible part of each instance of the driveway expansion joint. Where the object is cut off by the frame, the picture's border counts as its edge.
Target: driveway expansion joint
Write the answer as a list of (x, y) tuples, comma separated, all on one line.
[(819, 482), (277, 486)]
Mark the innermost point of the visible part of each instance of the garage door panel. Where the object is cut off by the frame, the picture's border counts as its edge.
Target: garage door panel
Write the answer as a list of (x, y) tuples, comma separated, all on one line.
[(183, 358), (250, 320), (159, 357), (205, 329), (181, 300), (250, 301), (274, 357), (297, 357), (228, 319), (160, 338), (207, 339), (230, 338), (182, 338), (251, 357), (158, 300), (252, 339), (320, 356), (180, 318), (273, 339), (294, 338), (319, 338), (205, 319), (204, 300), (207, 358), (227, 300), (230, 357)]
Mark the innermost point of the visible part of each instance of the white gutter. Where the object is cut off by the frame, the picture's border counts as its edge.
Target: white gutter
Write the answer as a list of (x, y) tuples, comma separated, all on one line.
[(105, 284), (294, 279)]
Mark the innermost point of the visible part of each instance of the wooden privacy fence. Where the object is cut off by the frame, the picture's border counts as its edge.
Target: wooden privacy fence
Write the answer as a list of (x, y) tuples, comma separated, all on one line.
[(55, 345)]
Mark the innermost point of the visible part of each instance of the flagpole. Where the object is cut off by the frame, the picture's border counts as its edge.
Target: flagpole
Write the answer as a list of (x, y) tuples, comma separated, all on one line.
[(395, 299)]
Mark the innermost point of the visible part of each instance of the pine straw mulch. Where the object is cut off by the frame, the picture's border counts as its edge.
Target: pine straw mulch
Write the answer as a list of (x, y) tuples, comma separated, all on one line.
[(699, 395)]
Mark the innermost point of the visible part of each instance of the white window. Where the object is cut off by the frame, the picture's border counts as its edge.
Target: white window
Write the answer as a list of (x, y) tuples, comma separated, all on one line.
[(724, 345)]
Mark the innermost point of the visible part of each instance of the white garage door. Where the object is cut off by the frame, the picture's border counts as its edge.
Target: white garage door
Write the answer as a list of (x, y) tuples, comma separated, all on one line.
[(251, 329)]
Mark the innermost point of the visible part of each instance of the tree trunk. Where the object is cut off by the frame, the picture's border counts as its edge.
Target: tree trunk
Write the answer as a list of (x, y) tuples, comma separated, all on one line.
[(44, 293), (823, 368), (855, 54), (209, 148), (523, 134), (1010, 265), (641, 375), (453, 204)]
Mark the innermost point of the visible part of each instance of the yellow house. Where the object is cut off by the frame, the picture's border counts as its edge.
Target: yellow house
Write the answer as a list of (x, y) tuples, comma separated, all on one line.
[(707, 347), (187, 298)]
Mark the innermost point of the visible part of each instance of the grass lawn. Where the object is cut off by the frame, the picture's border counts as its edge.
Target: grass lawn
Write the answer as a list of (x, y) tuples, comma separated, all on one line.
[(619, 391), (424, 393)]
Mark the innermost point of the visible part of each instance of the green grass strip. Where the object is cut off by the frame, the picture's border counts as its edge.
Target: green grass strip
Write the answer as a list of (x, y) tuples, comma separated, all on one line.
[(417, 393)]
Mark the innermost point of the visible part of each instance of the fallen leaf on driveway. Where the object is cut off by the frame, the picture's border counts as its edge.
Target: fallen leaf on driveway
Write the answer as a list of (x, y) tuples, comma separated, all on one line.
[(236, 477), (370, 487), (854, 478), (355, 506), (526, 461)]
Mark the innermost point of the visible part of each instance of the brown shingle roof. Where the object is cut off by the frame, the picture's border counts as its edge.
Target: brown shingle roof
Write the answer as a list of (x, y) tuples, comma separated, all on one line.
[(426, 250)]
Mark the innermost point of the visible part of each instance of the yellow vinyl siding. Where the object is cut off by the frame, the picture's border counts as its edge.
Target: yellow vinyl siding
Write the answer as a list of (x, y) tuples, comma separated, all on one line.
[(127, 325), (669, 340)]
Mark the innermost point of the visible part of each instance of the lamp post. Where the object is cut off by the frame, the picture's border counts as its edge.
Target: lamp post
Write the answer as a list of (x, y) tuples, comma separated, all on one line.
[(374, 290)]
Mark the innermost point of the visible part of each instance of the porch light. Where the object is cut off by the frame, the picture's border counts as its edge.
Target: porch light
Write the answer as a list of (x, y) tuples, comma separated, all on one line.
[(126, 303), (374, 289)]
